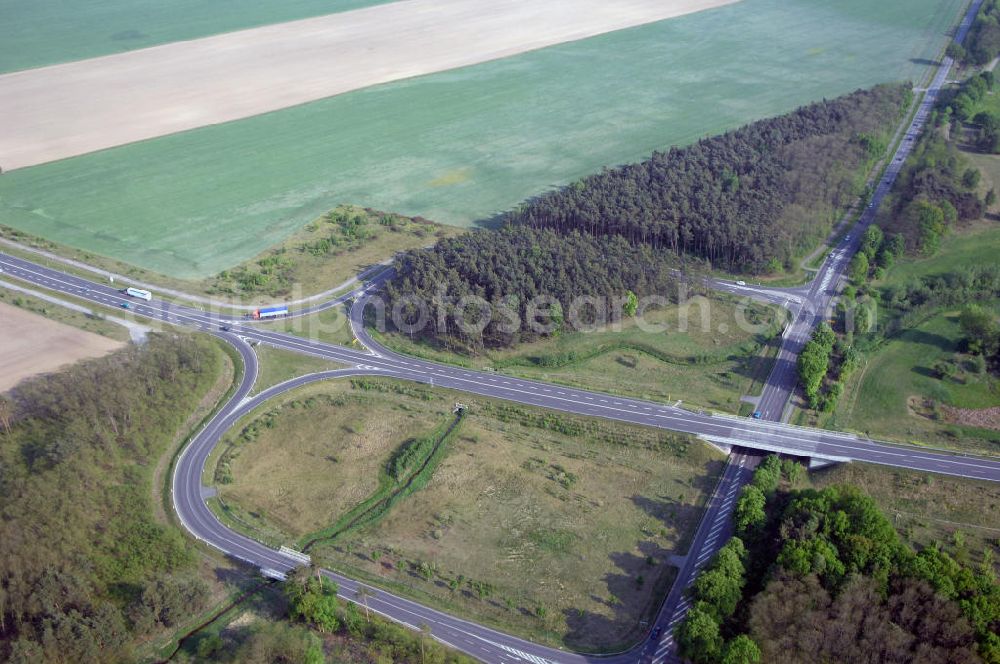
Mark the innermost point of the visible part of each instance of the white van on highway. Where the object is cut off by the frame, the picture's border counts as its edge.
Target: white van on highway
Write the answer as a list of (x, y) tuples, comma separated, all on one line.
[(139, 293)]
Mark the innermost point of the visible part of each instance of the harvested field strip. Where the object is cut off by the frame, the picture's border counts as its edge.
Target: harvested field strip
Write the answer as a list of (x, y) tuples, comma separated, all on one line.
[(46, 32), (193, 204), (72, 109), (31, 344)]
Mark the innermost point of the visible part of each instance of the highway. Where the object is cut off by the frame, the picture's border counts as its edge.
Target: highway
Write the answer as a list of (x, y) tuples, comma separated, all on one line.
[(723, 429), (488, 645), (808, 304), (818, 299), (715, 529)]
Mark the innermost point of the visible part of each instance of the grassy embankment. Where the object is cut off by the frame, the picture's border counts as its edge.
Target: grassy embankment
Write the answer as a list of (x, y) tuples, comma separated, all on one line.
[(329, 326), (553, 526), (277, 366), (227, 579), (320, 256), (258, 630), (709, 361)]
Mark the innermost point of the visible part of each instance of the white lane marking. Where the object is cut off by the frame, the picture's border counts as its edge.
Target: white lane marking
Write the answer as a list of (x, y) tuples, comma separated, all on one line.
[(880, 450), (534, 659)]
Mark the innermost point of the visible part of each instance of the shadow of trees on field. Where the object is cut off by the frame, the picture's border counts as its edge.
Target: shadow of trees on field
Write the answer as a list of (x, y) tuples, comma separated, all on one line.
[(625, 595), (636, 589), (917, 336)]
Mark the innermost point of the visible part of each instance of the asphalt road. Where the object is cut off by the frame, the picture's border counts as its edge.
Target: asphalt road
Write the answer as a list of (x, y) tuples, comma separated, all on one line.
[(808, 306), (715, 529), (817, 303), (481, 642)]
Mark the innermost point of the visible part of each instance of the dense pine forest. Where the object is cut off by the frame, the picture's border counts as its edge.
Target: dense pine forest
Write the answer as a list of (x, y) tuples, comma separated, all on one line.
[(748, 200), (508, 269), (85, 567)]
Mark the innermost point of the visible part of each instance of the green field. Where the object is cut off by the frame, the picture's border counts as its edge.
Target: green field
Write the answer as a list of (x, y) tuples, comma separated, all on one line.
[(323, 255), (523, 509), (891, 396), (976, 245), (463, 145), (34, 33)]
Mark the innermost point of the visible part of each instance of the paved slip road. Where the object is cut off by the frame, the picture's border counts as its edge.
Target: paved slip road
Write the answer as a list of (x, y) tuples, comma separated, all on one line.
[(749, 437)]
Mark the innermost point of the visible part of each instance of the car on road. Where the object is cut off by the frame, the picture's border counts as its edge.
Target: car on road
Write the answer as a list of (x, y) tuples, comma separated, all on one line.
[(756, 415), (656, 633), (125, 305), (741, 283), (225, 328)]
